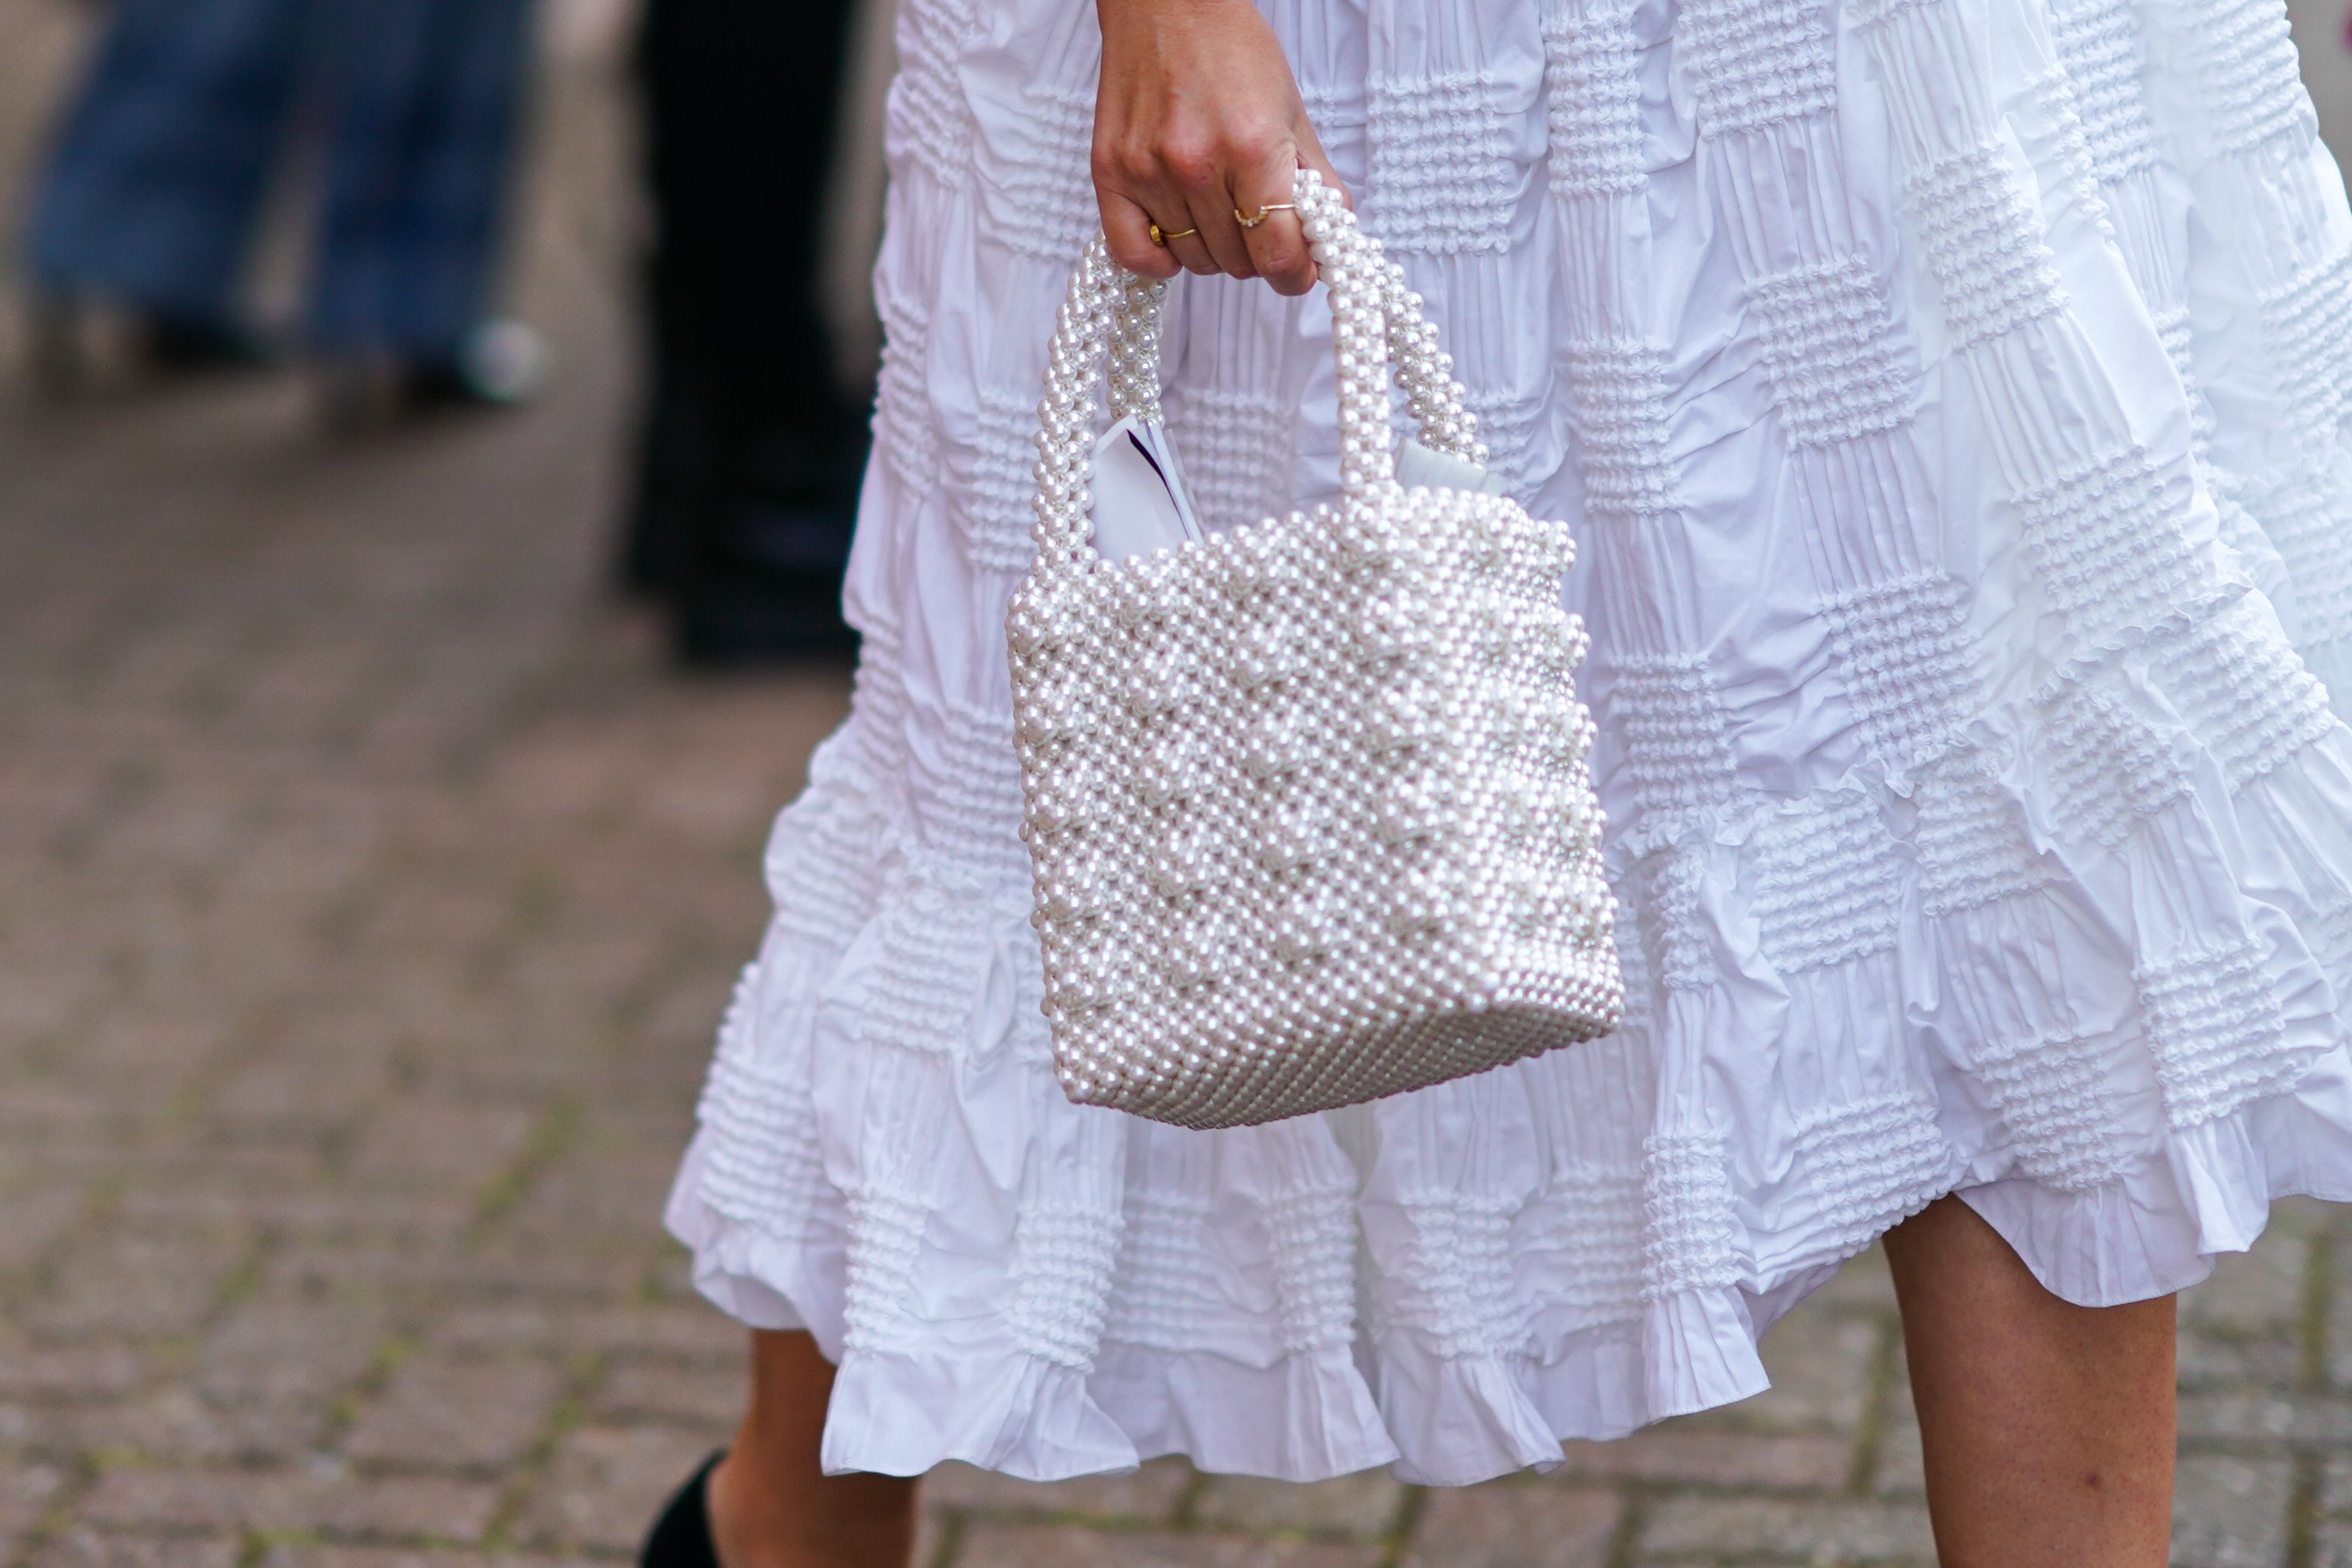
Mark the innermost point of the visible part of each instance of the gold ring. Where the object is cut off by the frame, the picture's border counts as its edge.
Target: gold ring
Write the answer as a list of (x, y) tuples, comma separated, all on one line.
[(1160, 237), (1248, 221)]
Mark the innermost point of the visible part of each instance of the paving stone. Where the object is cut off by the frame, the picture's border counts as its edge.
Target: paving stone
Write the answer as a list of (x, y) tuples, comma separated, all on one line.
[(2273, 1416), (173, 1176), (1678, 1452), (282, 1352), (604, 1485), (701, 1395), (301, 1086), (397, 1506), (335, 1213), (1076, 1546), (2300, 1217), (447, 1413), (439, 1273), (1770, 1530), (603, 1274), (2229, 1512), (321, 1554), (2338, 1343), (1862, 1286), (136, 1285), (160, 1205), (2211, 1361), (34, 1217), (440, 1142), (598, 1191), (25, 1491), (1822, 1365), (139, 1047), (1364, 1504), (373, 1267), (1515, 1524), (75, 1130), (1147, 1495), (693, 1331), (707, 803), (2335, 1486), (1901, 1471), (66, 1371), (83, 1547), (2256, 1292), (175, 1424)]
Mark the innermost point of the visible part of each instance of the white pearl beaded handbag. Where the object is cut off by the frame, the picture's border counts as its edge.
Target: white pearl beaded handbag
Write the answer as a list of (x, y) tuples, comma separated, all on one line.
[(1307, 802)]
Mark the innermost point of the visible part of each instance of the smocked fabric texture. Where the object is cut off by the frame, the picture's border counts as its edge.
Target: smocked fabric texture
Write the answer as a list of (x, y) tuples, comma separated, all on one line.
[(1949, 397)]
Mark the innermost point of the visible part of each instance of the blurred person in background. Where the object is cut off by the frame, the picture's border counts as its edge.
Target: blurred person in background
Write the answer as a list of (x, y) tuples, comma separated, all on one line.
[(752, 448), (164, 162)]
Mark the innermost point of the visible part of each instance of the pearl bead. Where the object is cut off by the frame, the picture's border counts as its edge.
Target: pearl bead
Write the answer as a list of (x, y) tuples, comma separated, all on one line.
[(1307, 805)]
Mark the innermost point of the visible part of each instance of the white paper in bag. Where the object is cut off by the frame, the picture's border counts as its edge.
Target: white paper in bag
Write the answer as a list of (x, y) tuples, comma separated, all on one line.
[(1140, 503)]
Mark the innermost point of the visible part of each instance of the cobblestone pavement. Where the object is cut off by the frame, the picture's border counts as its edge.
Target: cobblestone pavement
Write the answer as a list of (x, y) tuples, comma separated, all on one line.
[(367, 895)]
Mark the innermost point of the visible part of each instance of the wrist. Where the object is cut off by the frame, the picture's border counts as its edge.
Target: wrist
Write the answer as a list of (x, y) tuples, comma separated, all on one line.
[(1130, 13)]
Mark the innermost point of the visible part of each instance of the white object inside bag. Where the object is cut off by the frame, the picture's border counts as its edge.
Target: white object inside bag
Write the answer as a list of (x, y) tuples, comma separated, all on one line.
[(1141, 502), (1417, 465)]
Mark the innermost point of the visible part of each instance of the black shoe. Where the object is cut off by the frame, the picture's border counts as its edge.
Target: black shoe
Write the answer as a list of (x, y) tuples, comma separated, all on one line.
[(184, 346), (680, 1537), (500, 365)]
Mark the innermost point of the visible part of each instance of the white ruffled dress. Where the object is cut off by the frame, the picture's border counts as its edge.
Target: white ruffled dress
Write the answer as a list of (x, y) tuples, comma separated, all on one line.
[(1949, 398)]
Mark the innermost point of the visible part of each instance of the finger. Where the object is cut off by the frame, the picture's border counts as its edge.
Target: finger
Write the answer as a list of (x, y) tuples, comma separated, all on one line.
[(1127, 229), (1180, 231), (1175, 220), (1200, 176), (1277, 246), (1190, 251)]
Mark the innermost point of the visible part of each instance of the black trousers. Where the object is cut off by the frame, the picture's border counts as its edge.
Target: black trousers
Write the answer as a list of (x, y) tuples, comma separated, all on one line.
[(750, 453)]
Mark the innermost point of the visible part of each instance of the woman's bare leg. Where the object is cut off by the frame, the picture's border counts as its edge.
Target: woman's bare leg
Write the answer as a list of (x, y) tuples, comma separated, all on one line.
[(770, 1506), (2048, 1428)]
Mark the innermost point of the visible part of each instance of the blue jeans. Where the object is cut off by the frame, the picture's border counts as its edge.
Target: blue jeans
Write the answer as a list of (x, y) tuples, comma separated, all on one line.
[(165, 159)]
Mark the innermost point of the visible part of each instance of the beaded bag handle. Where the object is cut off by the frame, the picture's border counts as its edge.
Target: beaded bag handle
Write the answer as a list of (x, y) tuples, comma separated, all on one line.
[(1111, 317)]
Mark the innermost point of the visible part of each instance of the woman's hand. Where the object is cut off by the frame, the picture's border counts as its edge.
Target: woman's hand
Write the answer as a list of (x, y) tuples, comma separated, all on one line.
[(1197, 115)]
